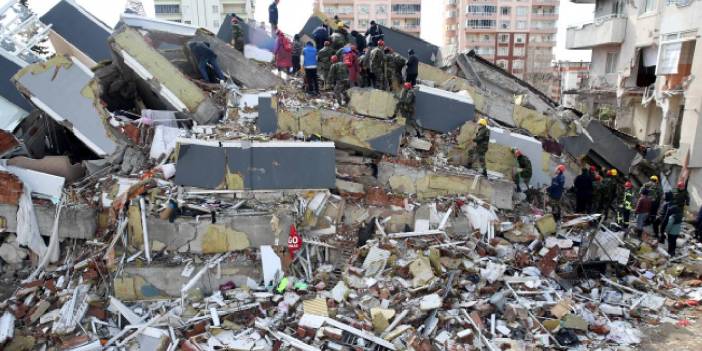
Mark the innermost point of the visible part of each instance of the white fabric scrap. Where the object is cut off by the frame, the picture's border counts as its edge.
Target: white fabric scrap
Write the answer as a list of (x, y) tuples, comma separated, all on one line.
[(164, 141), (28, 228)]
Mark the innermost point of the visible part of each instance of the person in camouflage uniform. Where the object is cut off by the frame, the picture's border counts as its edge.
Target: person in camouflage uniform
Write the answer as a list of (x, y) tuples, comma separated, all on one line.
[(324, 62), (366, 76), (524, 171), (377, 66), (480, 147), (339, 79), (393, 69), (609, 192), (406, 108), (237, 35)]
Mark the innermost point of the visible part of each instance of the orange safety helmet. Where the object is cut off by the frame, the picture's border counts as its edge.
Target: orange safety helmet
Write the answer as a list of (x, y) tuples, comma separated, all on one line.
[(681, 185), (628, 185), (334, 59), (560, 168), (408, 85), (517, 152), (381, 43)]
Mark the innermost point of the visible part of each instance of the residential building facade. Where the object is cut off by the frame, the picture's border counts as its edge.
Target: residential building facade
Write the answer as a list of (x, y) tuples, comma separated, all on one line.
[(518, 36), (644, 63), (404, 15), (203, 13), (572, 78)]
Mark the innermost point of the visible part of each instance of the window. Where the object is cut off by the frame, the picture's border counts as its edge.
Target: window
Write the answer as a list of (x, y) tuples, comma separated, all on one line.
[(380, 22), (407, 8), (503, 38), (518, 51), (487, 37), (215, 8), (363, 23), (452, 14), (504, 24), (347, 10), (503, 51), (520, 38), (502, 64), (647, 6), (167, 9), (480, 23), (482, 9), (505, 10), (611, 63), (522, 11), (186, 22), (518, 64), (381, 10), (521, 24), (363, 10)]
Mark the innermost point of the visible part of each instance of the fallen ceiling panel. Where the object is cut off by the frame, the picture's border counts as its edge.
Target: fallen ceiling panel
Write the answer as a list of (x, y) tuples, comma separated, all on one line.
[(610, 147), (80, 28), (61, 87), (442, 111), (13, 106), (256, 166)]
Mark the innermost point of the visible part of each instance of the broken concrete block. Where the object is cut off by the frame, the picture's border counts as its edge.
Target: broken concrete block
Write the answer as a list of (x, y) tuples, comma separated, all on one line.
[(77, 221), (65, 89), (430, 302), (421, 271), (255, 166), (540, 124), (442, 111), (381, 318), (420, 144), (347, 131), (427, 184), (159, 75), (349, 187), (11, 252), (373, 102), (546, 225), (220, 239)]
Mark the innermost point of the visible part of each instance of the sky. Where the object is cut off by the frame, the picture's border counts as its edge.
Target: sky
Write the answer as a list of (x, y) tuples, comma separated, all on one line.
[(294, 14)]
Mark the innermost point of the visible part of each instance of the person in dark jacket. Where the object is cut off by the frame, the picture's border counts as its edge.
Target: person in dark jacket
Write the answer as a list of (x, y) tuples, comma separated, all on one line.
[(659, 222), (204, 57), (609, 192), (375, 33), (627, 204), (642, 210), (412, 70), (273, 16), (237, 35), (296, 53), (481, 141), (680, 196), (673, 227), (524, 170), (583, 191), (359, 40), (320, 35), (309, 54), (555, 192)]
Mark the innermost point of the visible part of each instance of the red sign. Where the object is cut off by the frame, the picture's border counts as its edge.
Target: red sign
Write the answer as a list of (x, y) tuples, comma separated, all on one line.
[(294, 241)]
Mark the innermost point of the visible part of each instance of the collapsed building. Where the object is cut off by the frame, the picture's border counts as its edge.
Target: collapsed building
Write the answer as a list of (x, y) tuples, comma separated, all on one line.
[(143, 208)]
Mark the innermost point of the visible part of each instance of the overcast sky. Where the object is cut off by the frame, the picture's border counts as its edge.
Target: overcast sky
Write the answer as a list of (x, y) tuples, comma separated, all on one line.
[(294, 13)]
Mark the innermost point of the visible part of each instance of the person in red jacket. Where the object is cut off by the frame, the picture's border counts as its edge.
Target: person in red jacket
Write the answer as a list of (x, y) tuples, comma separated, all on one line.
[(643, 209), (283, 52), (351, 61)]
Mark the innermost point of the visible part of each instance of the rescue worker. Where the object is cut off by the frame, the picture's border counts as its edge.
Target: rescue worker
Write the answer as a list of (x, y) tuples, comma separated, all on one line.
[(480, 146), (393, 69), (282, 49), (296, 53), (358, 40), (597, 193), (237, 35), (642, 211), (555, 192), (654, 192), (660, 222), (680, 196), (310, 64), (627, 204), (337, 41), (412, 70), (375, 33), (673, 227), (524, 171), (377, 66), (609, 192), (406, 108), (583, 191), (366, 76), (273, 16), (320, 35), (339, 79), (324, 61), (206, 58)]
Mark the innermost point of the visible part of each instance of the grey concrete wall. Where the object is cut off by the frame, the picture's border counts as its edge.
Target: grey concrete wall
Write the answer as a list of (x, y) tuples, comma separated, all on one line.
[(76, 222)]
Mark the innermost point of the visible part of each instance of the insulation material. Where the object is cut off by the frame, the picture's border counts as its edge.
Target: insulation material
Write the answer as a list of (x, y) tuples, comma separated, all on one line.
[(28, 228), (480, 218)]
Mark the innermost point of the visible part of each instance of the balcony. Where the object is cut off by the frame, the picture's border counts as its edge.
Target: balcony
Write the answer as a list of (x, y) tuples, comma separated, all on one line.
[(605, 30)]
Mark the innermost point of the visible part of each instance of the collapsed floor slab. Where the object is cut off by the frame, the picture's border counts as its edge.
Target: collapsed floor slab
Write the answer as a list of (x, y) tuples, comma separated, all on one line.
[(158, 75), (77, 222), (429, 184), (346, 130), (255, 166), (442, 111), (65, 89), (373, 102)]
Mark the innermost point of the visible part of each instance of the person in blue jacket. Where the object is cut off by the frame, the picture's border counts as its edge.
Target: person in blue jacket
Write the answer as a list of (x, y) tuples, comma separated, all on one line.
[(555, 191), (273, 16), (309, 62)]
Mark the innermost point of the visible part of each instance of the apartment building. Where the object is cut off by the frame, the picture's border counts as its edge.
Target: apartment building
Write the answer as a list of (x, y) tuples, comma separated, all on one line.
[(517, 35), (644, 74), (203, 13), (572, 78), (357, 14)]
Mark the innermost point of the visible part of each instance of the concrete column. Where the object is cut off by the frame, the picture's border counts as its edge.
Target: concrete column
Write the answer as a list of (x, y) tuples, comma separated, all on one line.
[(691, 134)]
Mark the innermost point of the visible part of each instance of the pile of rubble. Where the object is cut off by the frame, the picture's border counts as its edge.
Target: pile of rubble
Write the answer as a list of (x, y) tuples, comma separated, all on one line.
[(144, 209)]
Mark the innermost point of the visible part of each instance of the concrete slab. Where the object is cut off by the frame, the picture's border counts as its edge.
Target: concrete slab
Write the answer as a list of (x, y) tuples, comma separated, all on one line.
[(373, 102), (442, 111), (166, 81), (252, 35), (77, 222), (346, 130), (530, 147), (64, 88), (429, 184), (15, 106), (401, 42), (267, 121), (610, 147), (80, 28), (256, 166)]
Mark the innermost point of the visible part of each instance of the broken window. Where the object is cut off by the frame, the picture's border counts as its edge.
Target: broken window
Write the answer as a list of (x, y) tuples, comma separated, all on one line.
[(647, 6), (675, 62), (646, 73)]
